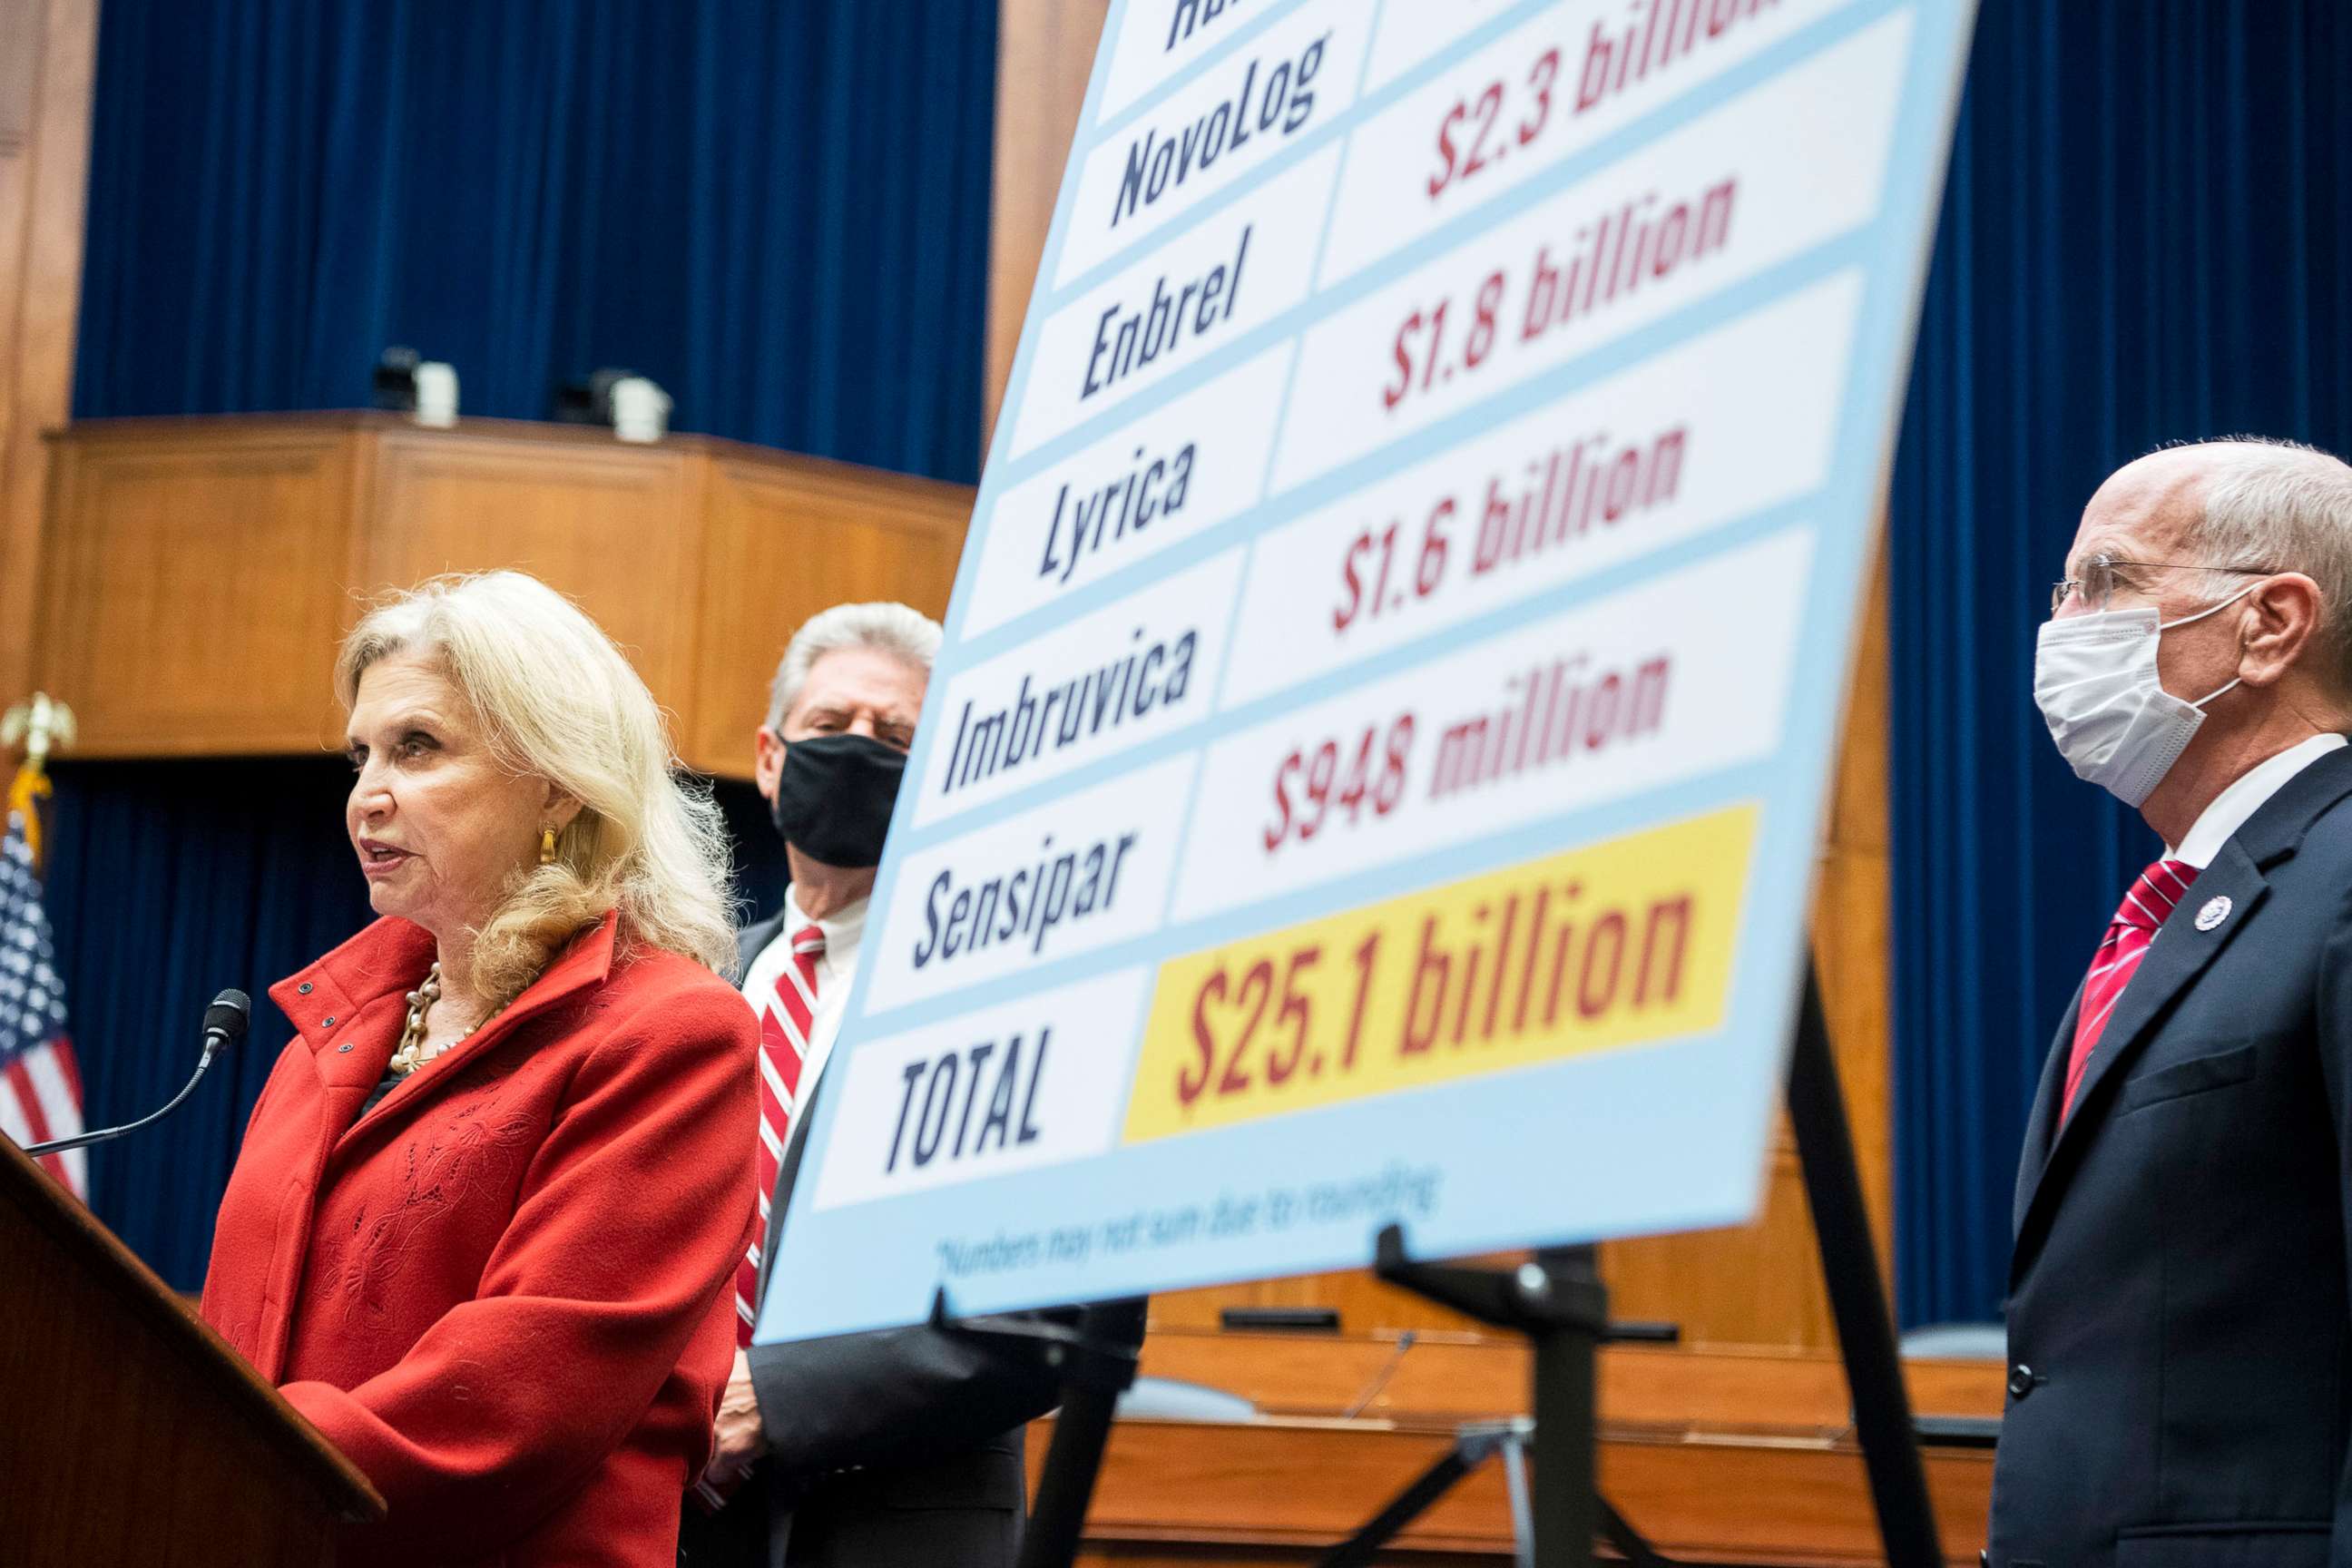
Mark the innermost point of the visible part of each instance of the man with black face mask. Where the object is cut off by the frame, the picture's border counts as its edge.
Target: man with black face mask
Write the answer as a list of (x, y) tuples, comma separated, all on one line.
[(901, 1447)]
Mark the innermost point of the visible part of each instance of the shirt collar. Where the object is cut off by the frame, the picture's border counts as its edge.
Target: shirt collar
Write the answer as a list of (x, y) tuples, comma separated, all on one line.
[(2220, 821), (844, 928)]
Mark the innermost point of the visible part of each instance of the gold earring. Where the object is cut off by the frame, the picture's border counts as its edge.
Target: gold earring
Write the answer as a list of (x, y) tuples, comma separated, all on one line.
[(547, 846)]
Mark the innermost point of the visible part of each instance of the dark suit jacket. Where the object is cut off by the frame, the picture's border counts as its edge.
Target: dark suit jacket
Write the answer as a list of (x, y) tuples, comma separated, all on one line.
[(888, 1449), (2179, 1337)]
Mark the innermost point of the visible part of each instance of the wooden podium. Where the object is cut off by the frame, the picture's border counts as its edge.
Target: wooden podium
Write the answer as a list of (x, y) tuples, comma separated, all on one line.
[(131, 1432)]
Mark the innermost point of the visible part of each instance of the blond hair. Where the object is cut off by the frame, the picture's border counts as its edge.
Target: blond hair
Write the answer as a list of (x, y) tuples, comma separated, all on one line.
[(557, 699)]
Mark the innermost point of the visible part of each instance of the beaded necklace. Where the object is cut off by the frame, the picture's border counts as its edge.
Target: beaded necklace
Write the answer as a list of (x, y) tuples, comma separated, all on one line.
[(412, 1053)]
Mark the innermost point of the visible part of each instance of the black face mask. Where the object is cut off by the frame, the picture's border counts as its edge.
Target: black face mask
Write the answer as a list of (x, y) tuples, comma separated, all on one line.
[(835, 795)]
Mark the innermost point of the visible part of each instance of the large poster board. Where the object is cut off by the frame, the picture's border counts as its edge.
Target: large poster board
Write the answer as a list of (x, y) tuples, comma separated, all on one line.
[(1375, 768)]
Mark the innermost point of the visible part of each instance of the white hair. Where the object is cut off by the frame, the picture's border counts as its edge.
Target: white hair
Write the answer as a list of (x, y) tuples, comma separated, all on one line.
[(2284, 507), (900, 630), (558, 700)]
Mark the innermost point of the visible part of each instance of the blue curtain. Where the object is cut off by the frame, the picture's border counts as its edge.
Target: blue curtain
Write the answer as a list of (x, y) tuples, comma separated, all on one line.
[(778, 209), (2147, 237)]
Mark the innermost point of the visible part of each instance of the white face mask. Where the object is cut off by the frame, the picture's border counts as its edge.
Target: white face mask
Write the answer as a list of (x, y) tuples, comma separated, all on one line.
[(2094, 680)]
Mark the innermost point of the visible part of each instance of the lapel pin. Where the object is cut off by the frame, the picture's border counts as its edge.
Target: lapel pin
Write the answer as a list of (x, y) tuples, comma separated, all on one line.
[(2215, 911)]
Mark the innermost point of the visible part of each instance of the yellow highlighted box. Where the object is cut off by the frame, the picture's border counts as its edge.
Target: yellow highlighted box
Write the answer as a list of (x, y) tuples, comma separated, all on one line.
[(1617, 944)]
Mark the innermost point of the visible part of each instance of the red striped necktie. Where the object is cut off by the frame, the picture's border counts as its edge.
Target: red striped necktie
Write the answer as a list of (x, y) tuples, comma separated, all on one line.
[(784, 1024), (2161, 886)]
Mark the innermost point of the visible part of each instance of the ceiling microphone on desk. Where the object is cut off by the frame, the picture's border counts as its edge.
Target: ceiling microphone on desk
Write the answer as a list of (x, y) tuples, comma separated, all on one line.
[(225, 1023)]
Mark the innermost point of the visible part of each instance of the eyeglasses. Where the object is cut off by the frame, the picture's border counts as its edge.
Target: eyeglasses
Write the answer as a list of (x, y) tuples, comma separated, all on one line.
[(2102, 574)]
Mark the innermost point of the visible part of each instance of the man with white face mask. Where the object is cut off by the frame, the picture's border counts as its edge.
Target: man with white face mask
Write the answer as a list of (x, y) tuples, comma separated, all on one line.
[(2179, 1331)]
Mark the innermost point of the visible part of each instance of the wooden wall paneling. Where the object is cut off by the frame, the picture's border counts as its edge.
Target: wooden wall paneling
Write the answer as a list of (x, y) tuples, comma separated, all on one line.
[(20, 56), (789, 537), (1045, 52), (193, 579), (1754, 1284), (1853, 912), (612, 525), (20, 529), (48, 52)]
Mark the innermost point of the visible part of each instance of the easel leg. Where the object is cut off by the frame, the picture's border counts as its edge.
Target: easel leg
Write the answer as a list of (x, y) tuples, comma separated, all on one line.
[(1566, 1507), (1557, 1300), (1359, 1550), (1472, 1444), (1874, 1369), (1082, 1430)]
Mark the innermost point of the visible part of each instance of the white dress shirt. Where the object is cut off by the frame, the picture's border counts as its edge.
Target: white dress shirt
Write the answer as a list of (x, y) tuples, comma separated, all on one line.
[(2219, 821), (836, 967)]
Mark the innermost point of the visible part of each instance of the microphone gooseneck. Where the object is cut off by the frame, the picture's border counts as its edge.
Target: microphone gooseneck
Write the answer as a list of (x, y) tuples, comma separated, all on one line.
[(224, 1024)]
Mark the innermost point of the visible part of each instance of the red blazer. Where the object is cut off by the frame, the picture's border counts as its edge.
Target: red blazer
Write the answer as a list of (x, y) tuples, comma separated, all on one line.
[(506, 1291)]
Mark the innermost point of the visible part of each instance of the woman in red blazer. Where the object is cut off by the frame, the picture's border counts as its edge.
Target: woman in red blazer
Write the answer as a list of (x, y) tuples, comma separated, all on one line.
[(484, 1223)]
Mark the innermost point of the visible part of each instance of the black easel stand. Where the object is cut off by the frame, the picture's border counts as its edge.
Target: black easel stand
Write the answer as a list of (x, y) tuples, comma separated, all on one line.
[(1100, 1367), (1865, 1328)]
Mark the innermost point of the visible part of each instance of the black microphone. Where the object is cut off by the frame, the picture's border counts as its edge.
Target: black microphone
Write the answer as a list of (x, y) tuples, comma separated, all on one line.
[(225, 1023)]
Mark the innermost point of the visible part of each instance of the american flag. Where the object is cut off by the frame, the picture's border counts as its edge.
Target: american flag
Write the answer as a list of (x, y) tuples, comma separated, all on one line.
[(40, 1087)]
